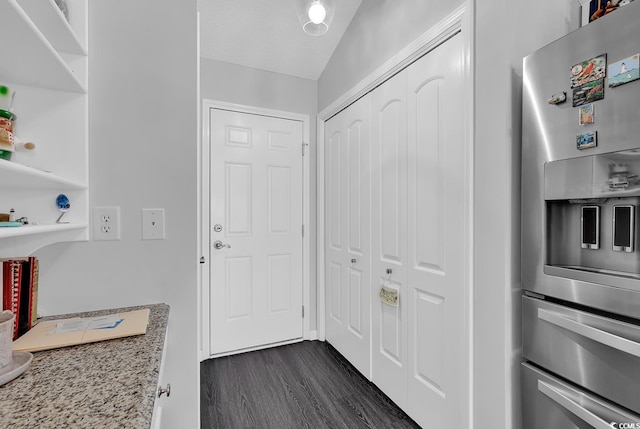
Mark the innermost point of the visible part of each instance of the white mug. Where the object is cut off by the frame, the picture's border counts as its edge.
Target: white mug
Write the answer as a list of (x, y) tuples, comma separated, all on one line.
[(6, 340)]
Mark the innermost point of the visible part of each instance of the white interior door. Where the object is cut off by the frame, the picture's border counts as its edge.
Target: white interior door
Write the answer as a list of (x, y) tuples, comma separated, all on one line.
[(437, 263), (389, 236), (256, 218), (347, 255)]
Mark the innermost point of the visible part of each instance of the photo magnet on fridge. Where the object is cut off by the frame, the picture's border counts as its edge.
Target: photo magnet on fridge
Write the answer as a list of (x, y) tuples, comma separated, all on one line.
[(587, 80), (588, 93), (586, 114), (589, 71), (624, 71), (587, 140)]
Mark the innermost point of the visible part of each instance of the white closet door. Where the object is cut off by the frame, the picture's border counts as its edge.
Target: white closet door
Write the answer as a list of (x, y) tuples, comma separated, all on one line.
[(434, 301), (389, 236), (347, 233)]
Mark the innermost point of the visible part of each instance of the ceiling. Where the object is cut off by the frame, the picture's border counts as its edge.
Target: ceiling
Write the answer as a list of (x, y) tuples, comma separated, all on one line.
[(266, 34)]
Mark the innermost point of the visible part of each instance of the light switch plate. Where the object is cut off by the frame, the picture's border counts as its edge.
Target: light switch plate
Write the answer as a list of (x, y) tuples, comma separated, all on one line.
[(153, 224)]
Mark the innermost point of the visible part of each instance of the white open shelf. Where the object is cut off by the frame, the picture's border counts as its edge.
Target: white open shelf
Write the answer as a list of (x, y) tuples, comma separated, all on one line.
[(41, 52), (18, 176), (28, 58), (20, 231), (24, 240), (46, 15)]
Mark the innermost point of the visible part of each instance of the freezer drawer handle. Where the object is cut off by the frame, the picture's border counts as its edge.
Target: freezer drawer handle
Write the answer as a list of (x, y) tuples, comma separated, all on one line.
[(595, 334), (582, 413)]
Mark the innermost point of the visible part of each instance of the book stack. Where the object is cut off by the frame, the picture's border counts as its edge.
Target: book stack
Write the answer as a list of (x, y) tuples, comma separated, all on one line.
[(20, 291)]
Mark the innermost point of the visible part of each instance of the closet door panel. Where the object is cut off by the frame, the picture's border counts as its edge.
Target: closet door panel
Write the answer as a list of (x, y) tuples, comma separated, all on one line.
[(436, 279), (389, 236), (356, 131), (391, 124), (334, 289), (356, 309), (347, 187), (333, 227), (429, 341), (391, 330), (427, 187), (357, 182), (334, 194)]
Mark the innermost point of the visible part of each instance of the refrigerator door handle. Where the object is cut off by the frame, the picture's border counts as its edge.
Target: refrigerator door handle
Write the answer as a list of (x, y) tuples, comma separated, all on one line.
[(603, 337), (557, 396)]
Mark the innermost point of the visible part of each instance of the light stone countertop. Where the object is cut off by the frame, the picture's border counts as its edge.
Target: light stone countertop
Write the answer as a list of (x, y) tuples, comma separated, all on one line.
[(108, 384)]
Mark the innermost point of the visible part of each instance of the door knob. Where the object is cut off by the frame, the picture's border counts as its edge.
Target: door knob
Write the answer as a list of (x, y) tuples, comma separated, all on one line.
[(219, 245)]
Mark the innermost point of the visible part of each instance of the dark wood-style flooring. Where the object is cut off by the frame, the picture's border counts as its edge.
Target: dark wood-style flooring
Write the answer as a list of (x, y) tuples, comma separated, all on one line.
[(302, 385)]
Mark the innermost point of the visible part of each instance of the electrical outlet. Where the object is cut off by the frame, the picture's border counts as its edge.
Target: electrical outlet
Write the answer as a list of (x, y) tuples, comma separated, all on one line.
[(106, 223)]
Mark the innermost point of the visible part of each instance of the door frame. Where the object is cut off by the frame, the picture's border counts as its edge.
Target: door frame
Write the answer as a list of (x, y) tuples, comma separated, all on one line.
[(460, 20), (205, 216)]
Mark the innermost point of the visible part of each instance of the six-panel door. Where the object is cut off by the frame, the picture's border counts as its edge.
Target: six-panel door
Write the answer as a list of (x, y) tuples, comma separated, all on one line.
[(256, 201)]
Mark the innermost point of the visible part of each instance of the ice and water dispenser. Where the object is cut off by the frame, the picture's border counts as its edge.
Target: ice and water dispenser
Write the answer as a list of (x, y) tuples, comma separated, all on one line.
[(591, 217)]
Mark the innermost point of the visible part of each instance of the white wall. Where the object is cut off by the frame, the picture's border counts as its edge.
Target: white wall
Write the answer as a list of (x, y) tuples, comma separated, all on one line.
[(236, 84), (143, 144), (506, 31), (378, 31), (245, 85)]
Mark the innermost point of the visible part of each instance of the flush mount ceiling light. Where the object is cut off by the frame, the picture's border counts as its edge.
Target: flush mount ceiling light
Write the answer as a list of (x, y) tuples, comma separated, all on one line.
[(315, 15)]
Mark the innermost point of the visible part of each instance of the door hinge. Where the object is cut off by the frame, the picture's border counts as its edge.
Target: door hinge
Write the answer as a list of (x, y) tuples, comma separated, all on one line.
[(303, 311), (202, 260), (303, 146)]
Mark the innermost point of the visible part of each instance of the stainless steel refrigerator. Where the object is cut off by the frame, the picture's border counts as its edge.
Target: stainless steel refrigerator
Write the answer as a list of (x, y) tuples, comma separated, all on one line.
[(580, 231)]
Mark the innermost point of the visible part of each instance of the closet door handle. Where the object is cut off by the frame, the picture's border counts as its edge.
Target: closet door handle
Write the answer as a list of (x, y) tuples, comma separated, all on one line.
[(603, 337), (558, 396)]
